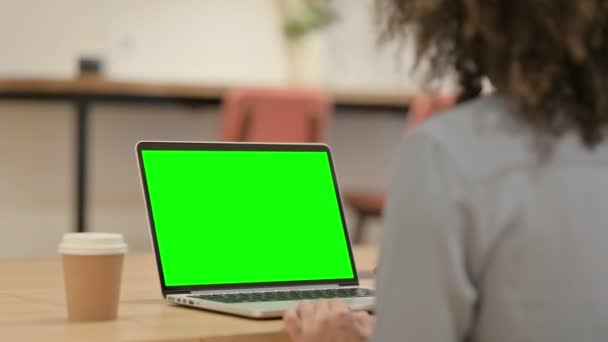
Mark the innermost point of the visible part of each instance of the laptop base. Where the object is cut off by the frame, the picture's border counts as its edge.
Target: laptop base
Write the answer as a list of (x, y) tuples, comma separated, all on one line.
[(260, 310)]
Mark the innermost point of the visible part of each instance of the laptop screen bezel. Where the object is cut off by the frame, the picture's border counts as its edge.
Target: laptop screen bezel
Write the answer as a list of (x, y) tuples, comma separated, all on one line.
[(225, 146)]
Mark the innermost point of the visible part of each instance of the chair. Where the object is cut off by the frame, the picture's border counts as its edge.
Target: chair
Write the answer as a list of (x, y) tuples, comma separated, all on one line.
[(276, 115), (369, 204), (366, 204)]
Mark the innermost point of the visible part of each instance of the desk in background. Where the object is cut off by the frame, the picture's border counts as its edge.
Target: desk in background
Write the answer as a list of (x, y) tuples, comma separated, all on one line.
[(32, 307), (86, 91)]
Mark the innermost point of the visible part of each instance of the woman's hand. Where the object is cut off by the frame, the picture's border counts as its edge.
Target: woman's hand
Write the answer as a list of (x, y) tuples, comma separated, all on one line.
[(325, 321)]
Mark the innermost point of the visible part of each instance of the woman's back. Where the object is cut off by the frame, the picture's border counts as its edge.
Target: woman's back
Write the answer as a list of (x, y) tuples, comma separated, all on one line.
[(491, 238), (495, 226)]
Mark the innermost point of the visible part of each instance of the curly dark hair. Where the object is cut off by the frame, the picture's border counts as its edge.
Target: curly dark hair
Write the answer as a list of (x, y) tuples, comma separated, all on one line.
[(550, 55)]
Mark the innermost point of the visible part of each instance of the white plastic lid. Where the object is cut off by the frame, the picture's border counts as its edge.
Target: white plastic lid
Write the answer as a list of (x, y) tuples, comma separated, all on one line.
[(92, 244)]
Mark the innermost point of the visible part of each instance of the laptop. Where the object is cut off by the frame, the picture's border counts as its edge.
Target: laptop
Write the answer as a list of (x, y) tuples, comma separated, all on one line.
[(248, 229)]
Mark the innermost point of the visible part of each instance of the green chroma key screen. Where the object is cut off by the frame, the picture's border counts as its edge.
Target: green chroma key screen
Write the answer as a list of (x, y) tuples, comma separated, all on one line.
[(227, 217)]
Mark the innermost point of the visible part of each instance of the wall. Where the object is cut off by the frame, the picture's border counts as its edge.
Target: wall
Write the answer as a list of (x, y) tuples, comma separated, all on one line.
[(198, 41), (44, 38), (210, 41), (184, 40), (354, 59), (36, 176)]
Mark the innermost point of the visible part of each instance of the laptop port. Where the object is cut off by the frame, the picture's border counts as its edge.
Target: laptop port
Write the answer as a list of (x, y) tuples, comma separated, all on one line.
[(191, 302)]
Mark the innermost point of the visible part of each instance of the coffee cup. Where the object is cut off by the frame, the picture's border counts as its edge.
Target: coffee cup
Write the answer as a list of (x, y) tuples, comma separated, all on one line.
[(92, 270)]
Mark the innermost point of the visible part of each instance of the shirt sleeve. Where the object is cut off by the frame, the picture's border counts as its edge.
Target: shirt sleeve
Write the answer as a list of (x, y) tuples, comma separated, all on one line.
[(424, 291)]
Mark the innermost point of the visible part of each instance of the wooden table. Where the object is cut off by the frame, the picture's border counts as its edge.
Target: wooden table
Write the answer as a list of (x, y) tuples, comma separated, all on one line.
[(32, 307), (110, 88), (85, 91)]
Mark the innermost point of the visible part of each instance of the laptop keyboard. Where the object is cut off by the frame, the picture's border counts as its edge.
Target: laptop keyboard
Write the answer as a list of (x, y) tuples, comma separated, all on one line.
[(275, 296)]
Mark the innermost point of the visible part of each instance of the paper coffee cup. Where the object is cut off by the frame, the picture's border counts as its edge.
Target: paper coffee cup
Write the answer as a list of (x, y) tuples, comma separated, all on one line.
[(92, 269)]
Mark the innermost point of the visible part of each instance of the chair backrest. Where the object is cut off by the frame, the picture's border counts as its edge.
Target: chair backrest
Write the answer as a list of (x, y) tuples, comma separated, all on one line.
[(424, 106), (275, 115)]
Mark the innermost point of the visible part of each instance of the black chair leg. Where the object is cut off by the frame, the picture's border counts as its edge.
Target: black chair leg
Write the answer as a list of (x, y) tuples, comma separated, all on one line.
[(357, 234)]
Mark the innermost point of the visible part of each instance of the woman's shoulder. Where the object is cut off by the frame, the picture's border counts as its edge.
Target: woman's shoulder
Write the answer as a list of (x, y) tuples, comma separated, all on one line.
[(480, 136)]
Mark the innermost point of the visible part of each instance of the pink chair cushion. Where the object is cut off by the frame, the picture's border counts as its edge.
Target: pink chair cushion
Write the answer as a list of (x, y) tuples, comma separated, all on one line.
[(275, 115)]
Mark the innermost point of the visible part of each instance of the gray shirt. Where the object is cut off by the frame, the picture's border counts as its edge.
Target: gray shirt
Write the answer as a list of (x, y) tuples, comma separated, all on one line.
[(485, 240)]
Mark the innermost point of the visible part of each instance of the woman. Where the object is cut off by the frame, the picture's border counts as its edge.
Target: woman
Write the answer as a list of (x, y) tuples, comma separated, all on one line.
[(497, 220)]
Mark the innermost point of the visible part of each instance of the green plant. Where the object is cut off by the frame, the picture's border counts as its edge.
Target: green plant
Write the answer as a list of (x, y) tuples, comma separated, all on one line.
[(315, 16)]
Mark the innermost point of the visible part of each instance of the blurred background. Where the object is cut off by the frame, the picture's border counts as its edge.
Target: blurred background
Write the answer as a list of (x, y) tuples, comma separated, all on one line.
[(81, 81)]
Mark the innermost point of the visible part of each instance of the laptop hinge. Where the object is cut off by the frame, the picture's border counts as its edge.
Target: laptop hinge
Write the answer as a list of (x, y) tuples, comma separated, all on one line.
[(349, 284), (170, 292)]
